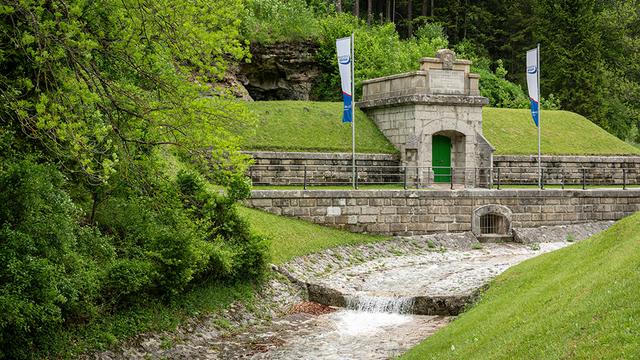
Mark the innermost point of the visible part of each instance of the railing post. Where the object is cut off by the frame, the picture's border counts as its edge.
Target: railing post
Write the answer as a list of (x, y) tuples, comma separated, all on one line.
[(356, 177), (562, 181), (304, 178), (498, 178), (404, 180), (624, 179), (541, 178), (584, 179)]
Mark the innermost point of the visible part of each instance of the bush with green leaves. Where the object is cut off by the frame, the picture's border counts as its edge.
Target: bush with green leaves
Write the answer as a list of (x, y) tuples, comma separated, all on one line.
[(224, 229), (269, 21), (46, 280), (379, 51)]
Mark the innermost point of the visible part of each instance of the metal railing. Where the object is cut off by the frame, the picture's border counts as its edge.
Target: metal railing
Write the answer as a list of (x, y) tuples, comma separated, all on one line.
[(416, 177)]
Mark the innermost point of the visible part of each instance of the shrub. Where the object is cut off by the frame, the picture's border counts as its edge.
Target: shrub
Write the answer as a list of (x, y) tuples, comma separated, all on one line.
[(269, 21), (224, 228), (44, 280), (379, 51)]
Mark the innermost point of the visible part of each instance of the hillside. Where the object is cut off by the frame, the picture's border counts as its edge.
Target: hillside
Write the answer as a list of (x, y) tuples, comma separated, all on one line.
[(512, 132), (579, 302), (312, 126), (316, 126), (289, 237)]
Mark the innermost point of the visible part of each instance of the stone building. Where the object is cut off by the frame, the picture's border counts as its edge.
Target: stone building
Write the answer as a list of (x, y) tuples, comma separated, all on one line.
[(434, 117)]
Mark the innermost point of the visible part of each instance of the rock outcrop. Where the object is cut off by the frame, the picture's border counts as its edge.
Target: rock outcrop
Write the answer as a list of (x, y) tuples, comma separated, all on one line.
[(282, 71)]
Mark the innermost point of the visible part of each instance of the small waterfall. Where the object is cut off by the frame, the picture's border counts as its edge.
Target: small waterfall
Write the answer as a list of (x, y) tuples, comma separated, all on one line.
[(377, 304)]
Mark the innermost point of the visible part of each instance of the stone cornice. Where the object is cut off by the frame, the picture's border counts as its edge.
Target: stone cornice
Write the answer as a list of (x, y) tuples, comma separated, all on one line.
[(424, 99)]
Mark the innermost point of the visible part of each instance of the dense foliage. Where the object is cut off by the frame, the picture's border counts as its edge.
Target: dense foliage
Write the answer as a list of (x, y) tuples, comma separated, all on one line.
[(95, 98), (380, 50), (589, 58)]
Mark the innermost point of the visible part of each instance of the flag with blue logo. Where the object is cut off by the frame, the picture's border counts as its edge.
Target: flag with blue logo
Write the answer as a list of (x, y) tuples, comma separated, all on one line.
[(533, 83), (345, 64)]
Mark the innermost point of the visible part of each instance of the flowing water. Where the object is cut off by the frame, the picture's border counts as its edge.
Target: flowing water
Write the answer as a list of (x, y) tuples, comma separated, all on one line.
[(380, 304), (350, 334)]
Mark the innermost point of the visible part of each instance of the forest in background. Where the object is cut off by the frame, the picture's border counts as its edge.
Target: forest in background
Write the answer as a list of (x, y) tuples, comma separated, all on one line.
[(590, 58)]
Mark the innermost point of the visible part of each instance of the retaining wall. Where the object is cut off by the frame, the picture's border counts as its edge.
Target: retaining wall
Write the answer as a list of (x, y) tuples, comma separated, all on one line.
[(398, 212), (598, 169), (288, 168)]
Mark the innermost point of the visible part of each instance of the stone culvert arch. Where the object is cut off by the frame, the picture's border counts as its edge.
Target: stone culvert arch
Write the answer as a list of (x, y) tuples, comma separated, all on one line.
[(492, 222)]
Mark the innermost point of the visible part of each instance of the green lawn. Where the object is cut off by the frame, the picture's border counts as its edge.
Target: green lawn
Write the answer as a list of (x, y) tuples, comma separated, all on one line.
[(581, 302), (317, 126), (312, 126), (512, 132), (292, 237)]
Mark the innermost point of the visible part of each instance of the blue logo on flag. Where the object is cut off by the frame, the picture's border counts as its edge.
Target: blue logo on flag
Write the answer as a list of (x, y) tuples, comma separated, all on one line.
[(344, 60), (346, 114), (535, 111), (532, 69)]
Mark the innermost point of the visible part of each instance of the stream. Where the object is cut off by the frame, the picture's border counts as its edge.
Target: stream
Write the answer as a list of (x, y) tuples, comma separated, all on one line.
[(372, 301)]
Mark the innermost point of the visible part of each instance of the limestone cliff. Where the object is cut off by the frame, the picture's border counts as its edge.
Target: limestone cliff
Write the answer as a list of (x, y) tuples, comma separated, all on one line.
[(281, 71)]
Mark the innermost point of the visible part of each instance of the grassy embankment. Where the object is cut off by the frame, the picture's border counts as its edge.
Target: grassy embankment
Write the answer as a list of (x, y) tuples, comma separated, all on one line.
[(292, 237), (512, 132), (312, 126), (316, 126), (580, 302)]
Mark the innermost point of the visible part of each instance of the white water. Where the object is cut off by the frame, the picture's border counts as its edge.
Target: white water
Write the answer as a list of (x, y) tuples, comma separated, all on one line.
[(380, 304), (358, 323)]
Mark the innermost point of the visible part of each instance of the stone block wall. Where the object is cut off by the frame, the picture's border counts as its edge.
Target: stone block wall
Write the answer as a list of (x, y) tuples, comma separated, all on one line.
[(597, 169), (288, 168), (398, 212)]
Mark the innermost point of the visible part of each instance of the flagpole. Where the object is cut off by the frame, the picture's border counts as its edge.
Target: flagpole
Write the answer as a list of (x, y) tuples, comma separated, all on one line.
[(353, 112), (539, 120)]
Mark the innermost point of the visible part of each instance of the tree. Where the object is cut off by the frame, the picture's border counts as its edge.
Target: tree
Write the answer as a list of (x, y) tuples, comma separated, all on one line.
[(410, 18), (572, 61), (100, 83)]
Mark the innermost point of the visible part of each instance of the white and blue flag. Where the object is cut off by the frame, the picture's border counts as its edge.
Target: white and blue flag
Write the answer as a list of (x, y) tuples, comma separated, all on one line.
[(345, 64), (533, 79)]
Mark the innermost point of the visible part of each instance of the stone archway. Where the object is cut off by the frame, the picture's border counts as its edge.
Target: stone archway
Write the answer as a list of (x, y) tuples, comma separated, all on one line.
[(492, 223)]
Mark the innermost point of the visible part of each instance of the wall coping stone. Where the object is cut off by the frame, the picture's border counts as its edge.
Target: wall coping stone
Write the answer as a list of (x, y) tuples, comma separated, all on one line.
[(570, 158), (466, 193), (425, 99), (284, 155), (396, 76)]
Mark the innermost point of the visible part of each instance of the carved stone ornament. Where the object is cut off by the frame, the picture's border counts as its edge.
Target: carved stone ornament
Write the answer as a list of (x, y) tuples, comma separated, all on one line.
[(447, 57)]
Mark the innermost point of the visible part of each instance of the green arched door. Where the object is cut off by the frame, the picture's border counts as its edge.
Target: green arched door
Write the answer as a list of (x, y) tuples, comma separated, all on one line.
[(441, 159)]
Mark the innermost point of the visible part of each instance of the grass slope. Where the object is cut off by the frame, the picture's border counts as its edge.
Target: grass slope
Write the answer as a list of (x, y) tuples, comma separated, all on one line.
[(581, 302), (292, 237), (312, 126), (512, 132), (316, 126)]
